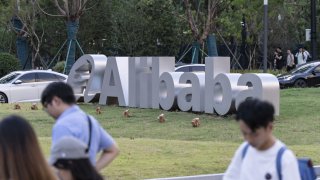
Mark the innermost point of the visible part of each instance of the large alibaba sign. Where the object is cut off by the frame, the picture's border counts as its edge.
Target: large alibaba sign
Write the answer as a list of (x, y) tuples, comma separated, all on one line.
[(150, 82)]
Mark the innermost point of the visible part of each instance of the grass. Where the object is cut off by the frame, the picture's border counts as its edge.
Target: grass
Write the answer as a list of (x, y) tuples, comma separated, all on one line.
[(270, 71), (150, 149)]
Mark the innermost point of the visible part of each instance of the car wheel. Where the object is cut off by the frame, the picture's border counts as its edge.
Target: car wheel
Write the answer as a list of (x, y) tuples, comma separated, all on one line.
[(3, 98), (300, 83)]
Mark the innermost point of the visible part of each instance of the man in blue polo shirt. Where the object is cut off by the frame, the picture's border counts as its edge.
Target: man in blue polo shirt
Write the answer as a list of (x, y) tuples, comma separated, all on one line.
[(59, 102)]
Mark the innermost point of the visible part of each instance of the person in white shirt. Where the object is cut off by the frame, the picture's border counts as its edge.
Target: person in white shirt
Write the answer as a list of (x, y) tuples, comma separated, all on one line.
[(307, 53), (258, 160), (290, 61), (302, 56)]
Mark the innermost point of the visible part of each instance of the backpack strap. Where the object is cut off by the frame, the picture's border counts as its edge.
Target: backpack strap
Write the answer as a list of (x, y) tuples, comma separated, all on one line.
[(244, 150), (90, 127), (278, 161), (278, 158)]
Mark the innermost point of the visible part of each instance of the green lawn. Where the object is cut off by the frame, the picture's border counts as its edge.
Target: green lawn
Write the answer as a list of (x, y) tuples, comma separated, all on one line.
[(150, 149)]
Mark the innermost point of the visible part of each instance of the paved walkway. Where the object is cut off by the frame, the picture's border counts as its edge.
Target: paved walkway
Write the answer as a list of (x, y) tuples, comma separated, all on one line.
[(215, 176)]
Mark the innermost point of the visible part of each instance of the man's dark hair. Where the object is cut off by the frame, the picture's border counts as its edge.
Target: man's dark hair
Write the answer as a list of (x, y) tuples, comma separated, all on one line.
[(255, 113), (81, 169), (60, 90)]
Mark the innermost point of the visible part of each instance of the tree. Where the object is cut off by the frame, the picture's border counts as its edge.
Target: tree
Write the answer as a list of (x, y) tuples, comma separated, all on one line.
[(133, 28), (71, 10), (150, 27), (24, 16), (6, 36), (287, 21), (201, 21), (201, 16)]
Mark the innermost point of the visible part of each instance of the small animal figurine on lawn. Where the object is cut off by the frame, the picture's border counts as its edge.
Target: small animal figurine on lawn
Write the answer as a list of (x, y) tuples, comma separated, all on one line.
[(17, 106), (195, 122), (126, 113), (34, 106), (161, 118), (98, 110)]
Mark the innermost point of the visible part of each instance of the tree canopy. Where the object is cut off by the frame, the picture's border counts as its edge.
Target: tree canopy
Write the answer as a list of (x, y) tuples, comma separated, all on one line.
[(154, 27)]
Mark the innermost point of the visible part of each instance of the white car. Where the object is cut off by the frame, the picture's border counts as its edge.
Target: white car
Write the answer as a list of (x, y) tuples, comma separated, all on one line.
[(191, 68), (27, 86)]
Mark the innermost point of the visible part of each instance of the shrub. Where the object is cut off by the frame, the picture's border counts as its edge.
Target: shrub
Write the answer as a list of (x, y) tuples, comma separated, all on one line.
[(59, 67), (8, 63)]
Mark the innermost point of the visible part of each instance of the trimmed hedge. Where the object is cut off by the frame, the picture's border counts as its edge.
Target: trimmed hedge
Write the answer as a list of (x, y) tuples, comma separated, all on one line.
[(8, 63)]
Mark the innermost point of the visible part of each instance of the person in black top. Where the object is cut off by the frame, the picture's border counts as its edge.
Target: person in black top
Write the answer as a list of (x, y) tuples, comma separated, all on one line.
[(278, 58)]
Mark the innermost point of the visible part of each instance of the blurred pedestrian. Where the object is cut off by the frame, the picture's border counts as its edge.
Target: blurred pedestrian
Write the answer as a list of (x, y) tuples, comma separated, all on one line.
[(290, 61), (275, 57), (301, 56), (59, 101), (256, 157), (307, 54), (20, 154), (278, 58), (69, 156)]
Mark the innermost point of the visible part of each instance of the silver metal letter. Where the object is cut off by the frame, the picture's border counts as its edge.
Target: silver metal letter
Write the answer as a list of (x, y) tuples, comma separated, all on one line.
[(224, 91), (169, 88), (159, 66), (262, 86), (214, 66), (86, 76), (192, 97), (115, 84)]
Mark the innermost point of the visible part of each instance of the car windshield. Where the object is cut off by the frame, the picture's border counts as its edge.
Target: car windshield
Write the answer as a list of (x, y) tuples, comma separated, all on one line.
[(302, 69), (8, 78)]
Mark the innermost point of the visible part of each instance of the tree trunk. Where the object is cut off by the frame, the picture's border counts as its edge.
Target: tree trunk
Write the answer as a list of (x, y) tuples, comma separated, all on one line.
[(72, 30), (21, 44), (212, 45), (23, 53)]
